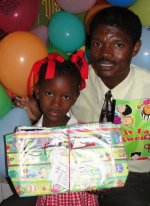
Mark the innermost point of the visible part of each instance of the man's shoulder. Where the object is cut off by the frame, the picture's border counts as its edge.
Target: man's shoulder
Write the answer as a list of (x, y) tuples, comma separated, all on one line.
[(141, 74), (140, 71)]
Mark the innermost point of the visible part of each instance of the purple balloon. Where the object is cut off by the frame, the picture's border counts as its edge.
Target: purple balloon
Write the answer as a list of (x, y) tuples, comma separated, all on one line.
[(42, 33), (76, 6)]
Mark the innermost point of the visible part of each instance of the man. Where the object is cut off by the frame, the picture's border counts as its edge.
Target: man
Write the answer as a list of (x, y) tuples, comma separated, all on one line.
[(114, 38)]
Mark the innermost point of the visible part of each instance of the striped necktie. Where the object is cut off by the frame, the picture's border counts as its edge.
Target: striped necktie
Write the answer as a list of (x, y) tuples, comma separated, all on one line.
[(107, 112)]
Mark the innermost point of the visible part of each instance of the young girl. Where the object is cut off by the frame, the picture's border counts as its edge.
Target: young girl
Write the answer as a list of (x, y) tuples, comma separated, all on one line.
[(58, 84)]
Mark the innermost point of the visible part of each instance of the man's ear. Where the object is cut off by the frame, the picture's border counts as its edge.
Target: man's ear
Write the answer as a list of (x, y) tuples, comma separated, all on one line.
[(136, 48), (36, 91)]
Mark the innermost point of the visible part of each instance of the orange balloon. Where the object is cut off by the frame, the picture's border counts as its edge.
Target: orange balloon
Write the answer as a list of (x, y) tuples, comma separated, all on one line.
[(91, 12), (18, 51)]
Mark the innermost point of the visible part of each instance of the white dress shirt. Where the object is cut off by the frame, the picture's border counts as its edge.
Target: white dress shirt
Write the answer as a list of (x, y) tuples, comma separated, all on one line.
[(89, 104)]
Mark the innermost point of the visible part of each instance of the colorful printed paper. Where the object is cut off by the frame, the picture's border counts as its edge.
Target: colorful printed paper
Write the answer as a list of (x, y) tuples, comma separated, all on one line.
[(134, 117), (74, 158)]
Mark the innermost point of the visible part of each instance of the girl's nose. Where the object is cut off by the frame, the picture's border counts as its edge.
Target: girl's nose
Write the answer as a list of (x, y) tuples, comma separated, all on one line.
[(56, 101)]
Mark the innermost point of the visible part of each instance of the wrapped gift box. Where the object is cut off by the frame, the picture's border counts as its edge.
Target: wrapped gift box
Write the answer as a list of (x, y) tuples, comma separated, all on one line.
[(73, 158)]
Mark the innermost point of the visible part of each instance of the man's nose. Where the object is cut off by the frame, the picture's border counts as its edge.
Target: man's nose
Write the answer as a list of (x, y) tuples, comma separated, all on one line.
[(106, 51)]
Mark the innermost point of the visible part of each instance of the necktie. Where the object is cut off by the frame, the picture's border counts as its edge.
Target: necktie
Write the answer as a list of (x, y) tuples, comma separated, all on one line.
[(107, 112)]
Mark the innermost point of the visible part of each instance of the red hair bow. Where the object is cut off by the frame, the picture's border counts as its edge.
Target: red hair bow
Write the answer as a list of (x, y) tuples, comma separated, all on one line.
[(33, 76), (79, 59), (51, 64)]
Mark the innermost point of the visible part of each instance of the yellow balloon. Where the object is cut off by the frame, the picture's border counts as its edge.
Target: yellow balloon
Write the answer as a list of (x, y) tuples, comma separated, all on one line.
[(18, 51), (142, 9)]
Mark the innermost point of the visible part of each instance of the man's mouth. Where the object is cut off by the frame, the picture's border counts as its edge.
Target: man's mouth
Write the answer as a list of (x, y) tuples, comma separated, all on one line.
[(105, 63)]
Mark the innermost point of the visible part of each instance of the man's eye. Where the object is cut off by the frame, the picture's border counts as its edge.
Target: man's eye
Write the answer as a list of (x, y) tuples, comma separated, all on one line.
[(66, 97), (49, 94), (95, 44), (119, 44)]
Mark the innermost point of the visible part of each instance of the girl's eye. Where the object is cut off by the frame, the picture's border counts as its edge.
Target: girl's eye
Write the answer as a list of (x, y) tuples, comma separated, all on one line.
[(49, 94), (66, 97)]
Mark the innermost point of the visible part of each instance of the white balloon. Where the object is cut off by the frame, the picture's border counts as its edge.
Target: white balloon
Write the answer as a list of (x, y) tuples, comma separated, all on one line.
[(142, 59)]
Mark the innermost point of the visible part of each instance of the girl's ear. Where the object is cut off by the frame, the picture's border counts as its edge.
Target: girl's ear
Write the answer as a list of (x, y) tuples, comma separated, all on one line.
[(136, 48), (36, 91)]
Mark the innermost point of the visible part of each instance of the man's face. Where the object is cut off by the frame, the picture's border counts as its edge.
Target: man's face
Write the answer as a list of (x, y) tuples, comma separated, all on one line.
[(111, 54)]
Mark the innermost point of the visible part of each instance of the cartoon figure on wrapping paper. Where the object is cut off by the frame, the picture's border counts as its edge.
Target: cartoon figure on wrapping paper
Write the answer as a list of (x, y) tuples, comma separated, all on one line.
[(121, 114), (124, 109), (48, 142), (135, 155), (127, 120), (145, 107), (24, 173), (147, 146), (31, 188), (43, 172)]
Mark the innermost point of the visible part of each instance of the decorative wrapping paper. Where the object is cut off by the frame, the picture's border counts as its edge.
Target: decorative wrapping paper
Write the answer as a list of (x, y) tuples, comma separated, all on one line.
[(73, 158), (134, 119)]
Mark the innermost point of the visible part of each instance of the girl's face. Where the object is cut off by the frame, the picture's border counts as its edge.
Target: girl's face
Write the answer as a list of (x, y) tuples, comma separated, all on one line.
[(56, 96)]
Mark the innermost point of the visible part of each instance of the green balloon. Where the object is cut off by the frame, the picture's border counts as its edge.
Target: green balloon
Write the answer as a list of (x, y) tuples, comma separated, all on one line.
[(5, 102), (62, 53)]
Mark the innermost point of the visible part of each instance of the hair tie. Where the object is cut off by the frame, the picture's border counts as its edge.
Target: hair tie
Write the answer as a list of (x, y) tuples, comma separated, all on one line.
[(51, 64), (79, 59), (50, 71)]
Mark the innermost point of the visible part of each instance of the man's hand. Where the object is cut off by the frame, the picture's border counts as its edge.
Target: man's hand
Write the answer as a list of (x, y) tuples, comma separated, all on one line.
[(31, 106)]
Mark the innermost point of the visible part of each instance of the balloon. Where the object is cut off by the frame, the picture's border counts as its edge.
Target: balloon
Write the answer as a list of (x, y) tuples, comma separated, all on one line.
[(142, 59), (100, 1), (5, 102), (18, 14), (75, 6), (9, 93), (90, 14), (66, 31), (18, 51), (15, 117), (88, 56), (41, 32), (2, 34), (142, 9), (124, 3), (53, 49)]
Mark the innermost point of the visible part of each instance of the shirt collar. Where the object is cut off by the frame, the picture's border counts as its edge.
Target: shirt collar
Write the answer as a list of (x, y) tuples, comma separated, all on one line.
[(101, 92)]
